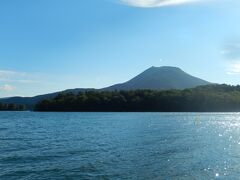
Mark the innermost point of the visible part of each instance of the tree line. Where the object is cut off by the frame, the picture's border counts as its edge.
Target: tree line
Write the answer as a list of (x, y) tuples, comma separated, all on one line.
[(11, 107), (210, 98)]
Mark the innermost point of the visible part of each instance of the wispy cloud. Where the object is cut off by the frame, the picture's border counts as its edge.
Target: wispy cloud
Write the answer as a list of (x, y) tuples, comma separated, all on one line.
[(157, 3), (231, 52), (234, 68), (14, 76), (7, 88)]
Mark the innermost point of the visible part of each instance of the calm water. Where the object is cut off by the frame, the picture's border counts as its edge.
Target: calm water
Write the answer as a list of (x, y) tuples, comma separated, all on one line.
[(119, 145)]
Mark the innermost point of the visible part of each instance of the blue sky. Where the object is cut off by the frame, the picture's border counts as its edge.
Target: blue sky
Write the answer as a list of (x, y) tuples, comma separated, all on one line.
[(52, 45)]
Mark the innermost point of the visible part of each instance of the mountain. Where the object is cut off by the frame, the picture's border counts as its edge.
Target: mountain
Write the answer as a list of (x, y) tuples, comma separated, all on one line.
[(160, 78), (154, 78)]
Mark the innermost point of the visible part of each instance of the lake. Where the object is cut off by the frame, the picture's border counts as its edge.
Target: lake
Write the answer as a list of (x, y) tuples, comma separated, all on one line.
[(119, 145)]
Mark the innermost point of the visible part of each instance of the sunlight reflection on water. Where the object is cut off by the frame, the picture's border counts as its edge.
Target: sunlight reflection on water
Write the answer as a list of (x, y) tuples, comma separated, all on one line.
[(119, 145)]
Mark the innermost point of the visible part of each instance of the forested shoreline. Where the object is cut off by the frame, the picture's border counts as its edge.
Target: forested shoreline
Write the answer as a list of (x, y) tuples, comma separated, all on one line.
[(12, 107), (210, 98)]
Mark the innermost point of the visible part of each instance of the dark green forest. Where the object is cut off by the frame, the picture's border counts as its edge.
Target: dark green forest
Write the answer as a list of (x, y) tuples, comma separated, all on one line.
[(210, 98), (11, 107)]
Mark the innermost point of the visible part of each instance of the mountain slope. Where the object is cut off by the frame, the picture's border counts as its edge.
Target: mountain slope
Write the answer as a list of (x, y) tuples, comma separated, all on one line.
[(160, 78), (31, 101), (154, 78)]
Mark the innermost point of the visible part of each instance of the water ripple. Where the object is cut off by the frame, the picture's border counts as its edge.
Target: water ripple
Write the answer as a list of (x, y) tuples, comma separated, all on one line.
[(119, 145)]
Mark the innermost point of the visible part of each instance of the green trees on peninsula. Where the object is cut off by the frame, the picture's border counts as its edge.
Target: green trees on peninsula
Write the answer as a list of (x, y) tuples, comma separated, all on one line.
[(210, 98), (11, 107)]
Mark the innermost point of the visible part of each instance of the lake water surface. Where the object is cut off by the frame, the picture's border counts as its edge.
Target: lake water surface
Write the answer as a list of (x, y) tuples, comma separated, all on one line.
[(119, 145)]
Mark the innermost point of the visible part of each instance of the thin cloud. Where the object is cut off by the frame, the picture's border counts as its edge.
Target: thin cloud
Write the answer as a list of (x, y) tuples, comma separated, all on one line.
[(9, 75), (156, 3), (7, 88), (234, 68), (231, 52), (16, 77)]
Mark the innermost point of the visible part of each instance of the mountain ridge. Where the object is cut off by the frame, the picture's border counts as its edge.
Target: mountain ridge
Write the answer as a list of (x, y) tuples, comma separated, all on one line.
[(153, 78), (160, 78)]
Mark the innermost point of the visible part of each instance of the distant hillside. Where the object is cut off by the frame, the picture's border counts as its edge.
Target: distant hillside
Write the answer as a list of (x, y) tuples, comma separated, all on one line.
[(160, 78), (154, 78), (209, 98), (31, 101)]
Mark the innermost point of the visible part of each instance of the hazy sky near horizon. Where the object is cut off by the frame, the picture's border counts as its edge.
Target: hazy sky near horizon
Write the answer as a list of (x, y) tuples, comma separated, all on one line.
[(52, 45)]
